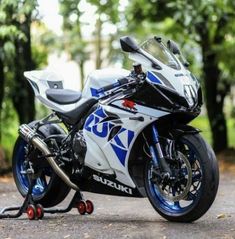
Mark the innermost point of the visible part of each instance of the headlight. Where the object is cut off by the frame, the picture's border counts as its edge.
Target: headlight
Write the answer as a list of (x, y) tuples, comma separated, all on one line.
[(190, 95)]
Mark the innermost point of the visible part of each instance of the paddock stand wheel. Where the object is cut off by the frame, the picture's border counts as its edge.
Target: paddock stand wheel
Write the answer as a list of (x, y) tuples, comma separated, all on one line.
[(31, 212), (81, 206), (39, 211), (89, 207)]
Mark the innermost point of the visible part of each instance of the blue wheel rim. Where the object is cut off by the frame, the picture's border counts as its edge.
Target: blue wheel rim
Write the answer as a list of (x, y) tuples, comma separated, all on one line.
[(176, 207), (41, 183)]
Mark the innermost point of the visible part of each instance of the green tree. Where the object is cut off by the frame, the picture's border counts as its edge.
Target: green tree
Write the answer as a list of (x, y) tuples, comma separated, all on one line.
[(16, 55), (8, 35), (106, 12), (22, 94), (73, 41), (7, 31)]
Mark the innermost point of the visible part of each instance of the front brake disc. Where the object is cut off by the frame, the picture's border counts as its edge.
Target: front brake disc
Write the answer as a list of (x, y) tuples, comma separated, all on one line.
[(168, 191)]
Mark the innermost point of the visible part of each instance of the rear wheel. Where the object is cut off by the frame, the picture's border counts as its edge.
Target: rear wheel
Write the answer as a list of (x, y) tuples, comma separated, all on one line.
[(192, 191), (49, 190)]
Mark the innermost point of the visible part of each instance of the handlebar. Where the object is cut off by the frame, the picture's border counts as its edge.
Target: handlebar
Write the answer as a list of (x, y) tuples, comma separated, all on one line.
[(119, 82)]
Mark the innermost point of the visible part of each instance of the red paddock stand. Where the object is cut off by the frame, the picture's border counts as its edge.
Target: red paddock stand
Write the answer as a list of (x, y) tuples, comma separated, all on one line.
[(36, 211)]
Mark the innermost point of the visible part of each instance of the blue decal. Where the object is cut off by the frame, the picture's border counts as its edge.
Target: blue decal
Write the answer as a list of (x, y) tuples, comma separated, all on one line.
[(88, 122), (153, 78), (119, 148), (130, 137), (103, 132), (100, 112), (118, 141), (101, 129), (94, 92), (121, 130), (92, 120), (121, 153)]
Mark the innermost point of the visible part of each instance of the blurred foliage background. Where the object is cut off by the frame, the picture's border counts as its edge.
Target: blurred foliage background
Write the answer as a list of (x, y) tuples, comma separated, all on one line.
[(204, 29)]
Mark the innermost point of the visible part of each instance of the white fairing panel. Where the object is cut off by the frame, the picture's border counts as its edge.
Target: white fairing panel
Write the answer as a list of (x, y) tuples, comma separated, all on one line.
[(109, 142), (101, 78), (42, 80)]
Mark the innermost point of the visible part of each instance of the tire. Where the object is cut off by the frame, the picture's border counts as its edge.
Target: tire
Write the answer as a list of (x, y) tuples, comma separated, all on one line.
[(49, 189), (197, 201)]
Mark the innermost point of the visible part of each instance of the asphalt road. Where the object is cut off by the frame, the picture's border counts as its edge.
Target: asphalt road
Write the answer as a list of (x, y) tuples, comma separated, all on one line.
[(120, 217)]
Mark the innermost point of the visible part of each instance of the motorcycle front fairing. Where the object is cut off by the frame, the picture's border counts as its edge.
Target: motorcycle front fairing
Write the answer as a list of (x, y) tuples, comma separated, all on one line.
[(170, 75)]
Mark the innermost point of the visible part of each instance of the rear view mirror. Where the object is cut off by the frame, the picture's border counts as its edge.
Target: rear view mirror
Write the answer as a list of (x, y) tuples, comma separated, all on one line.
[(173, 47), (128, 44)]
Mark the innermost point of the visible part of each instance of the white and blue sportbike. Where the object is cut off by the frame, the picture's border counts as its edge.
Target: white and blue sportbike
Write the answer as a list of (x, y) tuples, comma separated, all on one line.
[(126, 134)]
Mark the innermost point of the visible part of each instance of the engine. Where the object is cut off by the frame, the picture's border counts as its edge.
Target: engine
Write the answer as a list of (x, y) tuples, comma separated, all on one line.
[(79, 147)]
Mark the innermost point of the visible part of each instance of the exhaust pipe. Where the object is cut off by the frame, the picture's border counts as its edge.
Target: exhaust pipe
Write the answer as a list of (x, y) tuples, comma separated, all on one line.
[(31, 137)]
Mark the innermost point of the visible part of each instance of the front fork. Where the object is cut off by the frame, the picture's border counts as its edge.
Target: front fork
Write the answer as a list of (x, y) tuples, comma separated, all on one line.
[(157, 155)]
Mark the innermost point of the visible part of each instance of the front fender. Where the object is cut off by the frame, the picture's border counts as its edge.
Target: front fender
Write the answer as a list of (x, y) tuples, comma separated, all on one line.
[(180, 130)]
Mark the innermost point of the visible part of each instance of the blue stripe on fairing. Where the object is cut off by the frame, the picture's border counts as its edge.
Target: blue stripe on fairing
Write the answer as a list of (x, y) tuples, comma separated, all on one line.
[(130, 137), (121, 153), (119, 149), (118, 141), (94, 92), (103, 132), (153, 78), (100, 112)]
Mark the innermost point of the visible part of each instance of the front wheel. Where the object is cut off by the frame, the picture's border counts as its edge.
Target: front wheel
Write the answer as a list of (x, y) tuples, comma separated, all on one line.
[(189, 194)]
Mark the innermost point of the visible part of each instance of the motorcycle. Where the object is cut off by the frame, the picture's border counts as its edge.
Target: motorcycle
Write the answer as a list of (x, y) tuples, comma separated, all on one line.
[(125, 134)]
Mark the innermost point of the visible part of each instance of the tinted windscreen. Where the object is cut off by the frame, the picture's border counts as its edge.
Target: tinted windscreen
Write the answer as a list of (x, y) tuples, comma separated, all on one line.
[(160, 52)]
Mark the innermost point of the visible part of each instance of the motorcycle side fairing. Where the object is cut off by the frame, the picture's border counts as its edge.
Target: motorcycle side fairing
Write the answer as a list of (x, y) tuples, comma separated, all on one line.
[(110, 135)]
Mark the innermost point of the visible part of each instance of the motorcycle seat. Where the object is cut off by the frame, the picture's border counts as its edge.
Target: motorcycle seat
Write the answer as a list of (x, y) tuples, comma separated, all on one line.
[(73, 116), (63, 96)]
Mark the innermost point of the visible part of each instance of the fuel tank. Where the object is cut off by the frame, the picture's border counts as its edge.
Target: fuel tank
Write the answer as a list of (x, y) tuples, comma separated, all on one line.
[(100, 78)]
